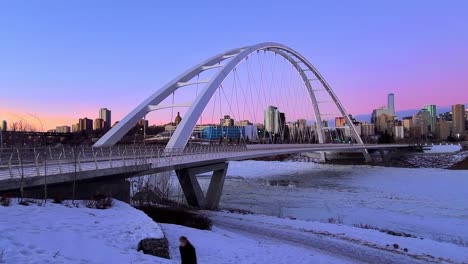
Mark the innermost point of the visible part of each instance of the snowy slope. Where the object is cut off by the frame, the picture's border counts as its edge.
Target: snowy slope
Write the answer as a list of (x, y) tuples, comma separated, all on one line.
[(221, 246), (428, 203), (54, 233), (418, 249), (443, 148)]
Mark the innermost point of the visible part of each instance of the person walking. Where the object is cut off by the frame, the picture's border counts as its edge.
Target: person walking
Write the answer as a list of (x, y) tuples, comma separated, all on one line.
[(187, 251)]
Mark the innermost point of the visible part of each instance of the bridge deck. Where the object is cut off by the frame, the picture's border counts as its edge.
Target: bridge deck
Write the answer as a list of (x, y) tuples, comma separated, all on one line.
[(141, 162)]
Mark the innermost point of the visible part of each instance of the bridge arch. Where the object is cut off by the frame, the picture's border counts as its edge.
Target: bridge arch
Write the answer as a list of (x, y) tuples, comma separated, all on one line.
[(183, 132)]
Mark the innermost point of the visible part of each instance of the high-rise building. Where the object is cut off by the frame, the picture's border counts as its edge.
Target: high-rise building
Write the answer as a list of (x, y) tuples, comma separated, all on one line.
[(433, 113), (378, 112), (407, 122), (399, 132), (4, 125), (76, 127), (226, 121), (458, 118), (447, 116), (85, 124), (99, 123), (63, 129), (282, 122), (466, 119), (271, 118), (385, 124), (443, 129), (422, 120), (367, 129), (340, 121), (391, 103), (242, 123), (105, 114)]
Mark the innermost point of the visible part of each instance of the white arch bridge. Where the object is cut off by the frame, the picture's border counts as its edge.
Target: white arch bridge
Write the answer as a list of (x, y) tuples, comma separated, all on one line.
[(105, 165)]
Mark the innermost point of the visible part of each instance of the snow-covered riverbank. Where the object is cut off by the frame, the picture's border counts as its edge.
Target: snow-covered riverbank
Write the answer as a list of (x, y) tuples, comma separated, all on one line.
[(55, 233), (429, 203)]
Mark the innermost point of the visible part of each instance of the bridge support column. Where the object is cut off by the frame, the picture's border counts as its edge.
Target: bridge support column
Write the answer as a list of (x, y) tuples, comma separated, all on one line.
[(323, 156), (192, 190)]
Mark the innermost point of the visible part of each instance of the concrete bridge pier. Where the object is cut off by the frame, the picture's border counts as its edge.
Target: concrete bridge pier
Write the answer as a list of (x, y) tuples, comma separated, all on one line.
[(192, 190)]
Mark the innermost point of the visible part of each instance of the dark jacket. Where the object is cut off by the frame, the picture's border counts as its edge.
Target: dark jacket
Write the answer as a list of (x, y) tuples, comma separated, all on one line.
[(187, 254)]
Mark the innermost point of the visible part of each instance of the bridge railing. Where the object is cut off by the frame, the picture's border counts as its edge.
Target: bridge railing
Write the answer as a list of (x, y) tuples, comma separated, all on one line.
[(31, 162)]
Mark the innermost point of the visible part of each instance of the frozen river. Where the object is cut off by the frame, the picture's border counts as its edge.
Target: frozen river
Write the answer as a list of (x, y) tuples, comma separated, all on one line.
[(428, 203)]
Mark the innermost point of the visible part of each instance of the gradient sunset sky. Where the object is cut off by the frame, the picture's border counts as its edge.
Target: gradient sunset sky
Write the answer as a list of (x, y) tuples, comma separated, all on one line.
[(63, 60)]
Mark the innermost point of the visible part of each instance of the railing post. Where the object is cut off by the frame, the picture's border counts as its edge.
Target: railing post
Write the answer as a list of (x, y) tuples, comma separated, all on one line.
[(78, 159), (110, 157), (95, 160), (60, 162), (36, 161), (10, 166)]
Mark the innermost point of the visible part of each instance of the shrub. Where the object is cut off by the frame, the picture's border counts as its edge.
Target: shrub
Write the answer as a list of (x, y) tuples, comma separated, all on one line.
[(239, 211), (338, 221), (177, 216), (24, 202), (100, 202), (5, 200), (57, 200)]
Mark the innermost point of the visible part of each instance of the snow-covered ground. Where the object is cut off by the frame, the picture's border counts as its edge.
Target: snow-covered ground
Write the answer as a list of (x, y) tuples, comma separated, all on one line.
[(223, 246), (366, 244), (449, 148), (55, 233), (428, 203)]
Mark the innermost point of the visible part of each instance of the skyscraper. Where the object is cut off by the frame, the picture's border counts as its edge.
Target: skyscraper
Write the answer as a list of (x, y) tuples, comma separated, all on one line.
[(421, 120), (271, 118), (391, 103), (4, 125), (458, 118), (99, 123), (85, 124), (226, 121), (433, 112), (105, 115)]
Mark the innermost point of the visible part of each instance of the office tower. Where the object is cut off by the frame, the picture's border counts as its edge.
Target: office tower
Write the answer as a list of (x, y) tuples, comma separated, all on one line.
[(458, 118), (99, 123), (271, 118), (391, 104), (378, 112), (242, 123), (421, 120), (226, 121), (85, 124), (340, 121), (385, 124), (4, 125), (76, 127), (443, 129), (433, 112), (63, 129), (105, 115)]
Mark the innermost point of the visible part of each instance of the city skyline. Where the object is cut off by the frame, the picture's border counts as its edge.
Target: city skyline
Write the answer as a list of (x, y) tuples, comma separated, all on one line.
[(399, 113), (118, 68)]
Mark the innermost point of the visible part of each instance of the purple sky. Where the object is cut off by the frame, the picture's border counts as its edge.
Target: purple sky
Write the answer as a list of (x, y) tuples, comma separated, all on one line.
[(62, 60)]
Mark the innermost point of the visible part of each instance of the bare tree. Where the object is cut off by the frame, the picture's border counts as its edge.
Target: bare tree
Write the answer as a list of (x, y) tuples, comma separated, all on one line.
[(22, 126)]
